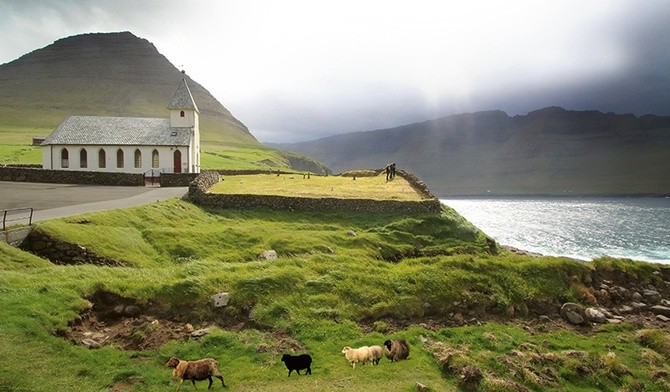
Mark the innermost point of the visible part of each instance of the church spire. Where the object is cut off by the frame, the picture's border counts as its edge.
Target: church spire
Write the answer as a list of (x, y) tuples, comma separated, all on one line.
[(182, 99)]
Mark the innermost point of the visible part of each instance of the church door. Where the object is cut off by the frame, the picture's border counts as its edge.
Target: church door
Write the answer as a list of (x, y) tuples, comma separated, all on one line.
[(177, 161)]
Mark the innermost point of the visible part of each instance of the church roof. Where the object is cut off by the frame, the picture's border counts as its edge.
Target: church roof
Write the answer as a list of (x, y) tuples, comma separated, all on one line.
[(182, 98), (135, 131)]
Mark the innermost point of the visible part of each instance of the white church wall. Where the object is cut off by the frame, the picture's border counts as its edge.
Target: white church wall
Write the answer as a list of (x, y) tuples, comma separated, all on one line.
[(52, 158)]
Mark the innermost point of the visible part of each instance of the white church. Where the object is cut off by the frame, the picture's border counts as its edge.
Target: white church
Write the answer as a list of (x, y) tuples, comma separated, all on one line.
[(129, 144)]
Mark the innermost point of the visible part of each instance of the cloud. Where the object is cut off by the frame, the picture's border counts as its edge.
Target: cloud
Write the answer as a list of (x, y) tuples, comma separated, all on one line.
[(298, 69)]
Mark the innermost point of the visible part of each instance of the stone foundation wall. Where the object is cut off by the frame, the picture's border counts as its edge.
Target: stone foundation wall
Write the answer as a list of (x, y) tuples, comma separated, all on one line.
[(63, 253), (23, 174), (198, 194)]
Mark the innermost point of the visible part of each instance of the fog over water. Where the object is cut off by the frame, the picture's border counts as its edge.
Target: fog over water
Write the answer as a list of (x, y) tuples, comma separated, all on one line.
[(581, 228)]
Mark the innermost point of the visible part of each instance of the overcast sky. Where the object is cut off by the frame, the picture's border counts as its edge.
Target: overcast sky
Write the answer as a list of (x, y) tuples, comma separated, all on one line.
[(295, 70)]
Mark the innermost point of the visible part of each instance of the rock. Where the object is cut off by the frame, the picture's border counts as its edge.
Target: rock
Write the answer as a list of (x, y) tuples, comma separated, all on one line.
[(638, 306), (188, 328), (614, 321), (651, 297), (637, 297), (665, 302), (220, 299), (201, 332), (662, 310), (662, 318), (118, 310), (626, 309), (268, 255), (90, 343), (544, 319), (421, 388), (132, 311), (573, 313), (351, 233), (595, 315)]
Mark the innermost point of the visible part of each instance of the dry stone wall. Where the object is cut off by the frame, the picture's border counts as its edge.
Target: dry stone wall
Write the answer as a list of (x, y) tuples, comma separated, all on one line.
[(63, 253), (27, 173), (177, 179), (198, 194), (23, 174)]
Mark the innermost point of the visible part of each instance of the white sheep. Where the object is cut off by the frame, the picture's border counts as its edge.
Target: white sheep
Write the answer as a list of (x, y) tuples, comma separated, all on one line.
[(357, 355), (377, 354)]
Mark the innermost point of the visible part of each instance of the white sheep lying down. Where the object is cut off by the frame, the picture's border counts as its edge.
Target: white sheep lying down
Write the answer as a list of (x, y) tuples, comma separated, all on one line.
[(360, 355)]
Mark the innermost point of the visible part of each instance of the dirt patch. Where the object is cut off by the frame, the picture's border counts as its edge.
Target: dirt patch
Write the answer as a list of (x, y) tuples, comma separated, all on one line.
[(124, 323), (120, 322)]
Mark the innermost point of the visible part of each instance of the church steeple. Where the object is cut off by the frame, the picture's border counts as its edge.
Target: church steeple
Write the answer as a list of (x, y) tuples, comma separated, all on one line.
[(183, 110)]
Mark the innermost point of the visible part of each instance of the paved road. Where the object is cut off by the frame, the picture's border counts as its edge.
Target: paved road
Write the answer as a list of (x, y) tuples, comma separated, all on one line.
[(52, 201)]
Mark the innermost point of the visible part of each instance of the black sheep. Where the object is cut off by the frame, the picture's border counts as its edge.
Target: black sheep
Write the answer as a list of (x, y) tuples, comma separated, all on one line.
[(297, 363)]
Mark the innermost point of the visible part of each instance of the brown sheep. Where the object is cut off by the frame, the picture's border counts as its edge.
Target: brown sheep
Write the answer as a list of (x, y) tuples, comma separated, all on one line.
[(396, 349), (202, 369)]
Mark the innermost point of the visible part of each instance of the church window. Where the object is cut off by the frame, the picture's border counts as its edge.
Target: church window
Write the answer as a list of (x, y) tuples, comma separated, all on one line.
[(102, 159), (154, 159), (138, 159), (64, 160), (83, 158), (119, 158), (181, 114)]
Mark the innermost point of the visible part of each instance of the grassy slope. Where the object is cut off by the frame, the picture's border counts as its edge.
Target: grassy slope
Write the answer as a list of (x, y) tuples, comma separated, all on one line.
[(326, 290)]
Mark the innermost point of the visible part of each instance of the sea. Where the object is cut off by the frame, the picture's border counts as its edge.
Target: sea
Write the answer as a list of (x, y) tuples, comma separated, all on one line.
[(637, 228)]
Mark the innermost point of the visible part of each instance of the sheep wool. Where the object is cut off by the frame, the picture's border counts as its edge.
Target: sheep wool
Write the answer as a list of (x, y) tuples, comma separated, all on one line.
[(357, 355), (376, 354), (203, 369), (396, 350)]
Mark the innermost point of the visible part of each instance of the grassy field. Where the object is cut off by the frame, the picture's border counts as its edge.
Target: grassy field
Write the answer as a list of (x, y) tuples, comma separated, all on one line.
[(397, 277), (376, 188)]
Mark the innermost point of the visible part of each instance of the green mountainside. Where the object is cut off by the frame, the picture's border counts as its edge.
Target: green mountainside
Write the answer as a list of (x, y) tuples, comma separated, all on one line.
[(116, 74), (549, 151)]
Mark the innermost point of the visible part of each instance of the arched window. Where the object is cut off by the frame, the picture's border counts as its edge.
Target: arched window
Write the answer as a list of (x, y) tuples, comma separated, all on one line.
[(119, 158), (83, 158), (181, 114), (154, 159), (64, 160), (102, 159), (138, 159)]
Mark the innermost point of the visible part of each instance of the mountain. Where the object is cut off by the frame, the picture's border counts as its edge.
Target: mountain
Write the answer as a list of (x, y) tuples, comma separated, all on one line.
[(551, 151), (117, 74)]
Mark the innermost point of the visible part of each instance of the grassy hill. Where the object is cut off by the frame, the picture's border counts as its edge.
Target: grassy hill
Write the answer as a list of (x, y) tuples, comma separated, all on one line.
[(549, 151), (341, 278), (116, 74)]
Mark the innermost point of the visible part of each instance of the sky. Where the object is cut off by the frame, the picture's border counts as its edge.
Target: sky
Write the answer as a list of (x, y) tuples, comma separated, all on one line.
[(298, 70)]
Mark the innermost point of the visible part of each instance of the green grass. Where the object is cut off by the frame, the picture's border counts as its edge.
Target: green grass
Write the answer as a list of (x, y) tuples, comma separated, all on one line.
[(296, 185), (327, 289)]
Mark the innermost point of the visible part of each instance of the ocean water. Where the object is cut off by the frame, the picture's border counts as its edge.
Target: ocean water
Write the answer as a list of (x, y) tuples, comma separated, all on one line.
[(581, 228)]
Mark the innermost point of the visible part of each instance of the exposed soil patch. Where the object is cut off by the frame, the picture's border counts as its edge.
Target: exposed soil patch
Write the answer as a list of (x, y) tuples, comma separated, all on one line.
[(123, 323)]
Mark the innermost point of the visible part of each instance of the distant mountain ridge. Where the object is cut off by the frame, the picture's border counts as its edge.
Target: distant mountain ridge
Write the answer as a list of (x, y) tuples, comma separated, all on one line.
[(551, 151)]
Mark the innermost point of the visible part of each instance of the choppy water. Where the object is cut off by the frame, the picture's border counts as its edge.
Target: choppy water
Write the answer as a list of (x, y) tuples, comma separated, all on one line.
[(581, 228)]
